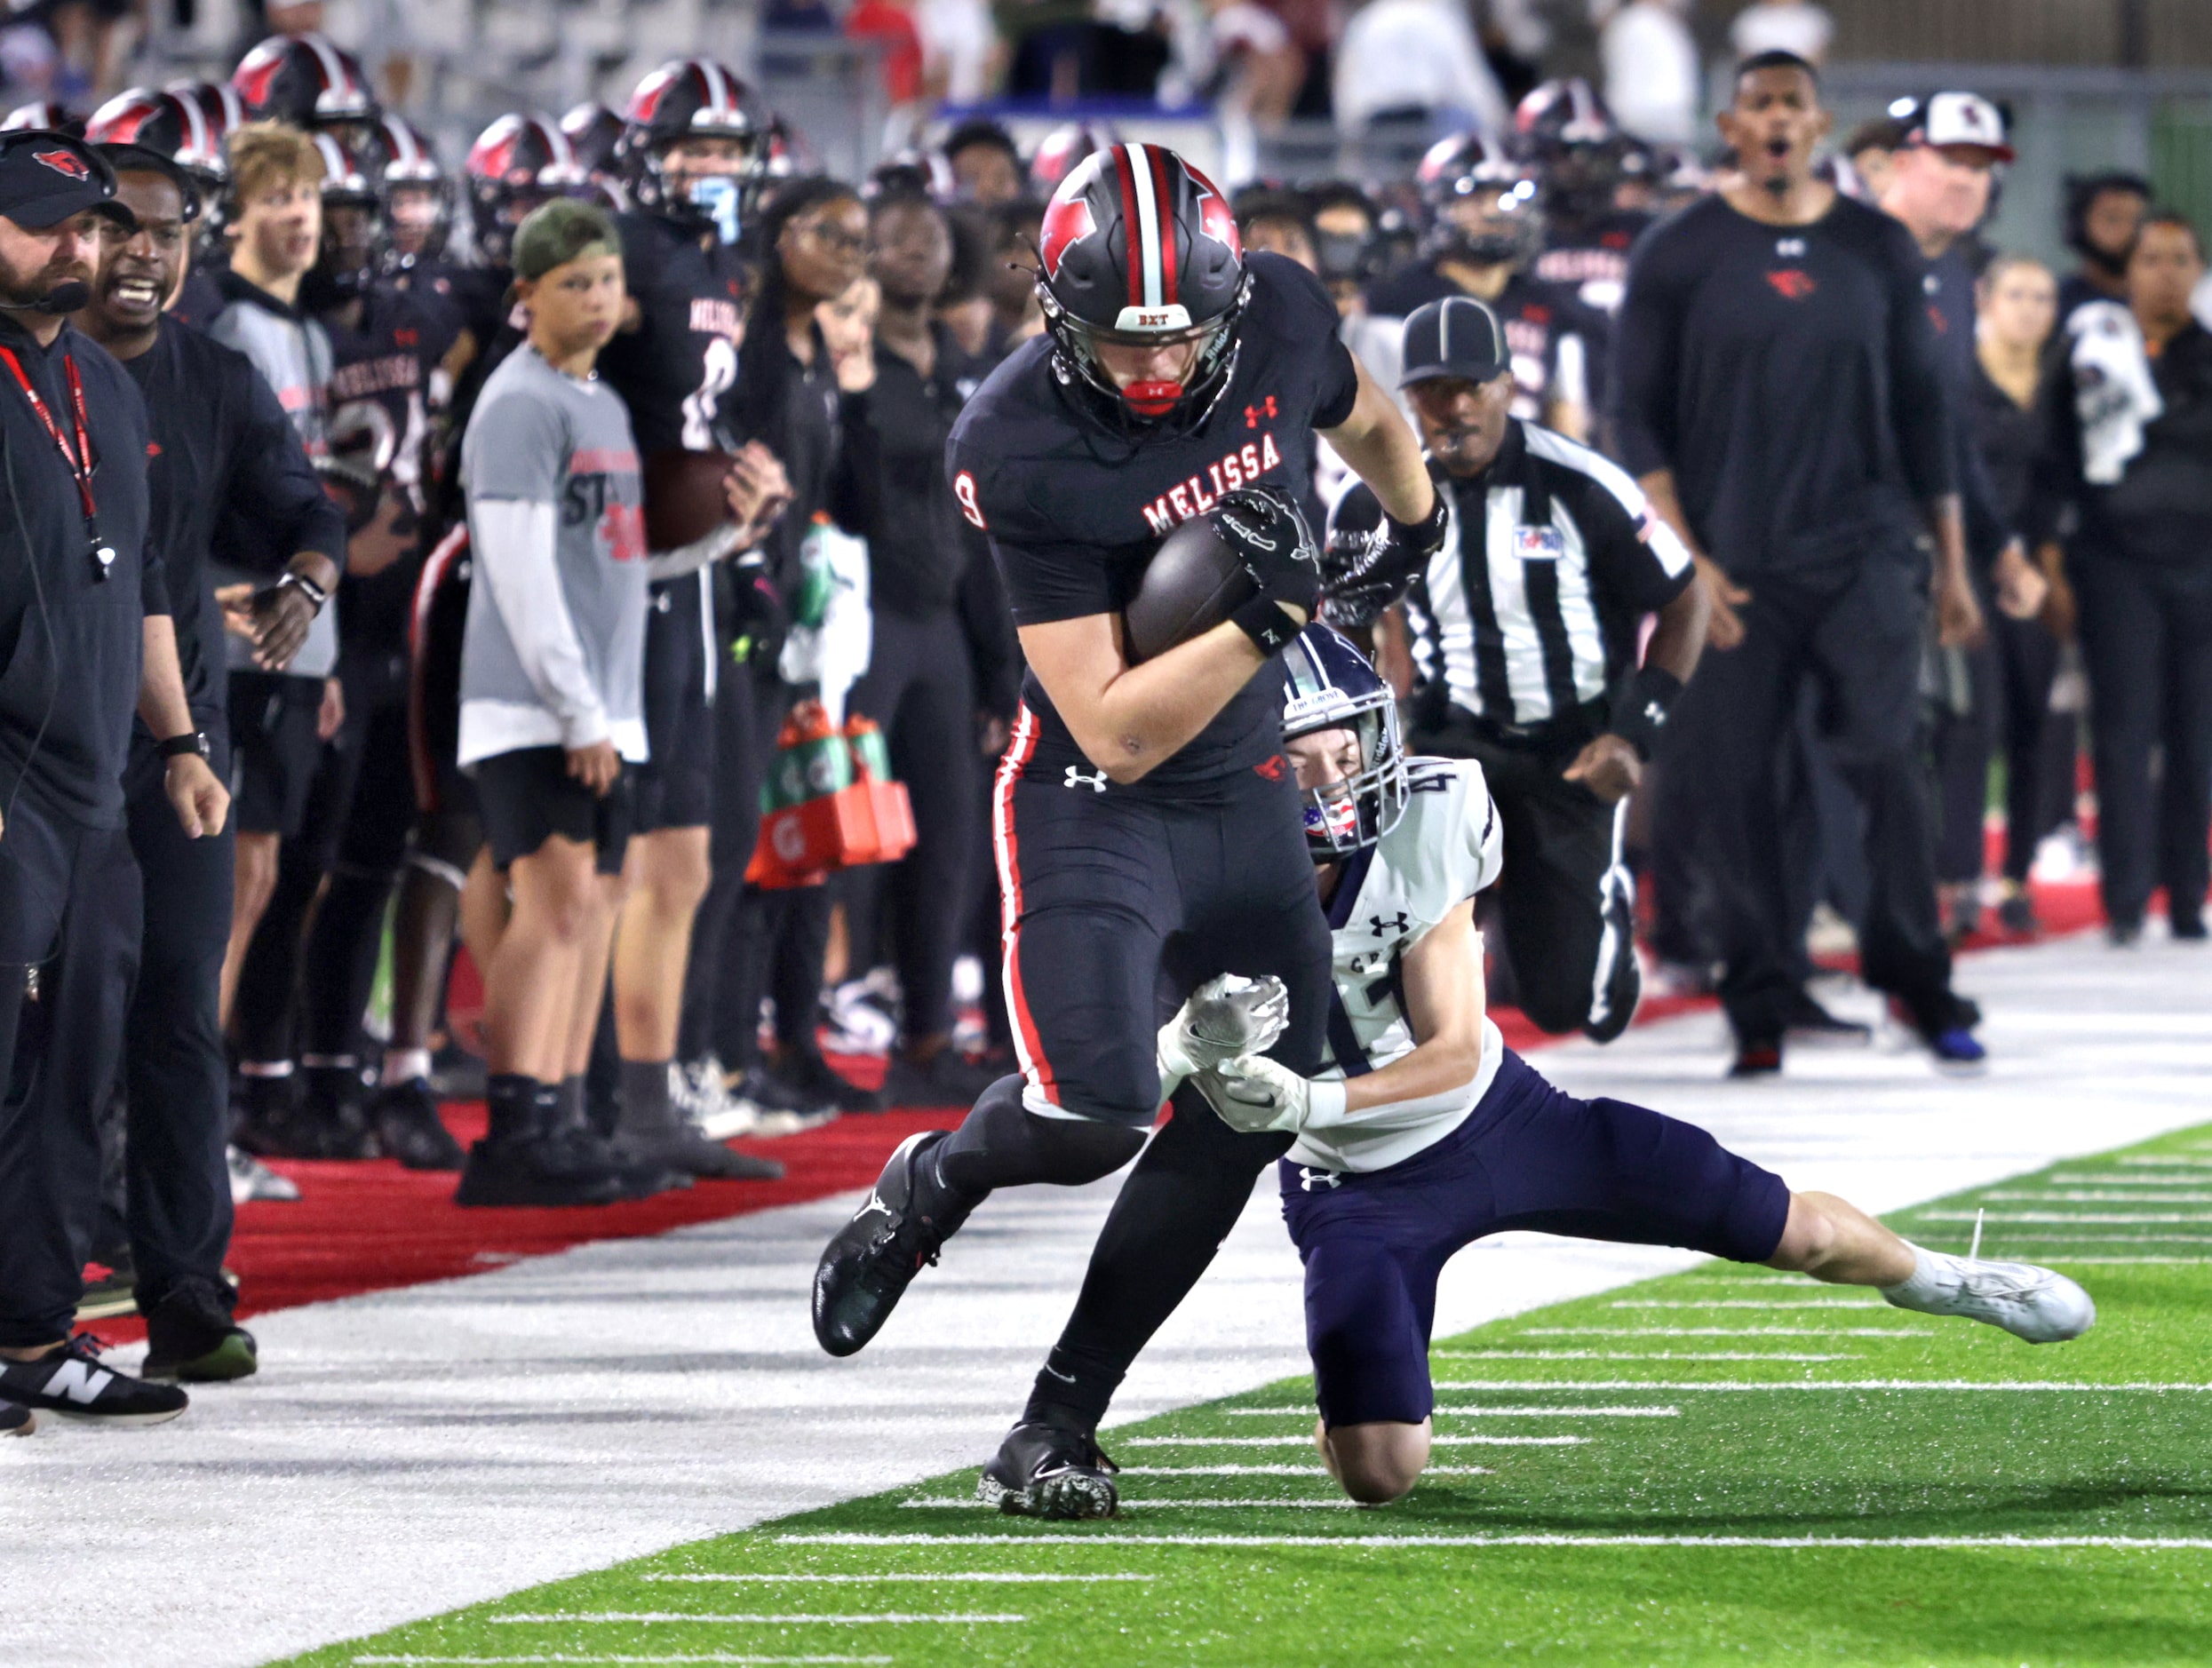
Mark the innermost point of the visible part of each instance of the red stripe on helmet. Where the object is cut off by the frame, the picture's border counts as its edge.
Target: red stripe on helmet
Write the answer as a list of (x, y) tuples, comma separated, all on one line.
[(1164, 214)]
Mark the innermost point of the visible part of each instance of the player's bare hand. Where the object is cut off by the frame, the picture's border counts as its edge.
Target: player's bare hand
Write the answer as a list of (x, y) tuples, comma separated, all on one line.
[(1957, 616), (1725, 628), (329, 717), (1608, 766), (2020, 589), (197, 795), (596, 766), (236, 602), (757, 491)]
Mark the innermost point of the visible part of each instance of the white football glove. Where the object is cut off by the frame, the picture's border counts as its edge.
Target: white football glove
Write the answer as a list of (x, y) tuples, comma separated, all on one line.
[(1227, 1016), (1252, 1093)]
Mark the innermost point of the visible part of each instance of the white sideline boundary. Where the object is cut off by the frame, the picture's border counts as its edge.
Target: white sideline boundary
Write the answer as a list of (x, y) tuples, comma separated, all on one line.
[(407, 1452), (1398, 1543)]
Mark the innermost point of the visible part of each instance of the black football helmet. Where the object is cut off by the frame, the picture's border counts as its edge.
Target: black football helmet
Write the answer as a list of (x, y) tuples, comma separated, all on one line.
[(308, 81), (517, 163), (1138, 249), (43, 115), (353, 241), (169, 125), (694, 97), (407, 161), (1484, 205), (1565, 132), (594, 133)]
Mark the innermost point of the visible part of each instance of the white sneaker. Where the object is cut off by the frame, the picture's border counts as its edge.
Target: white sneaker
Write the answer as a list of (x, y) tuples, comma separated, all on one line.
[(252, 1181), (701, 1092), (2039, 1305)]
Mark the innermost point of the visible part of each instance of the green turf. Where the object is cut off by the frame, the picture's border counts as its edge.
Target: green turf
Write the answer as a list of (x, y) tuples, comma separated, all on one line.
[(1510, 1564)]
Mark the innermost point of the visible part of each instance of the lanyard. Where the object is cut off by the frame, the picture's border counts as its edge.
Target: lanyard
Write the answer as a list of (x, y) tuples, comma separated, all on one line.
[(80, 461)]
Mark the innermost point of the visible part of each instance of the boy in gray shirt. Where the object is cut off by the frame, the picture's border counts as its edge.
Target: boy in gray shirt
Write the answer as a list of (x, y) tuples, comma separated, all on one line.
[(552, 709)]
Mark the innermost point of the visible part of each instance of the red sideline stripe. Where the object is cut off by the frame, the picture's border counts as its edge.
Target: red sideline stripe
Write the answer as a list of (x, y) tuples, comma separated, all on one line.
[(1132, 232), (1164, 220), (1028, 1045)]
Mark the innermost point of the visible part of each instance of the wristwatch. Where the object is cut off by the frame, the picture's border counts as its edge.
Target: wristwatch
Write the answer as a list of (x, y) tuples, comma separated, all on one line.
[(305, 587), (190, 742)]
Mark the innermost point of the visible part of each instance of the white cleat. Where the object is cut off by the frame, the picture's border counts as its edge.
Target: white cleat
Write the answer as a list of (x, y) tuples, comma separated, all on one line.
[(252, 1181), (2039, 1305)]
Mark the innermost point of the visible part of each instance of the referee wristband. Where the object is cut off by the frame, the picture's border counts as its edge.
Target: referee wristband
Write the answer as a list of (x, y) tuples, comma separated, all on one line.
[(1641, 713), (1263, 621)]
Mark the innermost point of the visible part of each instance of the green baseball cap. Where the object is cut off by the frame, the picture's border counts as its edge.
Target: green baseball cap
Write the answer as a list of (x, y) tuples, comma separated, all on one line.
[(565, 229)]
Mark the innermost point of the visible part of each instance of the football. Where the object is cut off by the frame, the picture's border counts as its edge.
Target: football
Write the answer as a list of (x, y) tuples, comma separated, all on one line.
[(1194, 581), (683, 496)]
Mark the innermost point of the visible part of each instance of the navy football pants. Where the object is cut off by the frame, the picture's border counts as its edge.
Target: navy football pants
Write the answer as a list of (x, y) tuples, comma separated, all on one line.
[(1530, 1156)]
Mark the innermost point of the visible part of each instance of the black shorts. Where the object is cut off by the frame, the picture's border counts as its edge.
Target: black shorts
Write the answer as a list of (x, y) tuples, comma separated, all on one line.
[(675, 785), (275, 751), (433, 692), (1114, 901), (528, 796), (1529, 1156)]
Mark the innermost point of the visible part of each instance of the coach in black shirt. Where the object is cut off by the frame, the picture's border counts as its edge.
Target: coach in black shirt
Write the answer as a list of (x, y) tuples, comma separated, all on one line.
[(84, 639), (220, 445), (1782, 403), (1524, 632)]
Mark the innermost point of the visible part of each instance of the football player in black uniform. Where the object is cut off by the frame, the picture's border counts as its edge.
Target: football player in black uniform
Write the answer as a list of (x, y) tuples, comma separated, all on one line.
[(695, 148), (1145, 820), (1487, 223), (1564, 131)]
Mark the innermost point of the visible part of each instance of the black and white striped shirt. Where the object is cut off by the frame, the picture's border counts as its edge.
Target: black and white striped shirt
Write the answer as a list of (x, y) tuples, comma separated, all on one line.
[(1530, 612)]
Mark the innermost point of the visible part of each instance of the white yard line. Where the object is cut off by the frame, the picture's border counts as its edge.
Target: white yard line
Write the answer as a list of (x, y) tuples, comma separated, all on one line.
[(407, 1452), (1398, 1543)]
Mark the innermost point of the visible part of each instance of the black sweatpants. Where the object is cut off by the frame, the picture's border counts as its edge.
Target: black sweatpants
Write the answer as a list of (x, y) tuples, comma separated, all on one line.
[(1566, 899), (921, 688), (176, 1083), (2146, 638), (70, 901), (1856, 632)]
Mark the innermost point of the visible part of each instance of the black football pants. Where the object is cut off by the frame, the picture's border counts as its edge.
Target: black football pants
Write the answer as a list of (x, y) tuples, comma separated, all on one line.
[(2146, 637), (69, 915), (1856, 634), (1567, 899)]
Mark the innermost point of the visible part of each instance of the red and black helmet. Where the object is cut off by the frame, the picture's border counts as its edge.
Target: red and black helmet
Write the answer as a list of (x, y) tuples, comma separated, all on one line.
[(305, 80), (405, 159), (516, 164), (1473, 172), (219, 107), (43, 115), (1565, 129), (166, 122), (1138, 249), (692, 97), (1060, 150)]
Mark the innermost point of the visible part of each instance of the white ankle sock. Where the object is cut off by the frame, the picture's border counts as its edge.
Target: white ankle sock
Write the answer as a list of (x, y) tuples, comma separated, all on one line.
[(404, 1065)]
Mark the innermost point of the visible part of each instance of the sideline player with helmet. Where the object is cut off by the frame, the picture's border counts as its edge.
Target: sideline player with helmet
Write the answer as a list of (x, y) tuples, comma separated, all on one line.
[(694, 146), (1563, 129), (1424, 1132), (1141, 811), (1486, 224)]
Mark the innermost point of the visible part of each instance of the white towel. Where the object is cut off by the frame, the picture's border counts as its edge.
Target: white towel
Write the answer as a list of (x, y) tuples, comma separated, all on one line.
[(2114, 393)]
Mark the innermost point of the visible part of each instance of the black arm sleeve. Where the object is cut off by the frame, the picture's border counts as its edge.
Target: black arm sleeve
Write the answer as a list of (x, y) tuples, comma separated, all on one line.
[(1646, 350), (273, 485), (1921, 407)]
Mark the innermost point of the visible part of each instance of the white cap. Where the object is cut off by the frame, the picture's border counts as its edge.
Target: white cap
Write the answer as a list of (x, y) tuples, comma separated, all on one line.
[(1957, 118)]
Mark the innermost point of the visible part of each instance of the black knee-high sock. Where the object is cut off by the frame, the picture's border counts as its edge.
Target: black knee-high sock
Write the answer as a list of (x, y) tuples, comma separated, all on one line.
[(1002, 1144), (1176, 1208)]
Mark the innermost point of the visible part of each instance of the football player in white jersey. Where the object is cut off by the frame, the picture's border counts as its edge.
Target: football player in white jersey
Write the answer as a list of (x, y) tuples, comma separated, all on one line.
[(1424, 1132)]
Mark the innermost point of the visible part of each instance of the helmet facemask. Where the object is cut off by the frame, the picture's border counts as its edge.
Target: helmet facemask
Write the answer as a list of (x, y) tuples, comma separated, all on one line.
[(1147, 407), (1346, 817)]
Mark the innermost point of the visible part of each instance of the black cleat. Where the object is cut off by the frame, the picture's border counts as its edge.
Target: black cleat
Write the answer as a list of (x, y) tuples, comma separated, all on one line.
[(867, 1266), (682, 1147), (812, 1077), (72, 1382), (190, 1336), (1043, 1471), (329, 1108), (541, 1167), (408, 1127), (1809, 1021)]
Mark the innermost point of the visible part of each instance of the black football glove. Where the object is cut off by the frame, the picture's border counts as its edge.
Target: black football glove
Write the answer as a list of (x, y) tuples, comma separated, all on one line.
[(1366, 570), (1264, 526), (759, 619)]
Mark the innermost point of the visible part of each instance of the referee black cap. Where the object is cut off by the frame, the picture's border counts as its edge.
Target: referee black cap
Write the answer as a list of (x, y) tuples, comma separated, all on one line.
[(45, 178), (1459, 338)]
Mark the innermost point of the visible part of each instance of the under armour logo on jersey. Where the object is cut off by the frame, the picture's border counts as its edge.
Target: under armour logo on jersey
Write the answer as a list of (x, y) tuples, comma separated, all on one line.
[(1308, 1179), (1381, 925), (1095, 781), (1791, 283), (1253, 413)]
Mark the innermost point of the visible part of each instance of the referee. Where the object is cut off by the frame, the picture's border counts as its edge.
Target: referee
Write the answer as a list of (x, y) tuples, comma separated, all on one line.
[(1783, 405), (85, 620), (1524, 632)]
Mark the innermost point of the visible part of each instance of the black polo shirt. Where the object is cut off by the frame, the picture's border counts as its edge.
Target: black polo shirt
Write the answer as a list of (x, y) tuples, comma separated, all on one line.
[(71, 642), (222, 445)]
